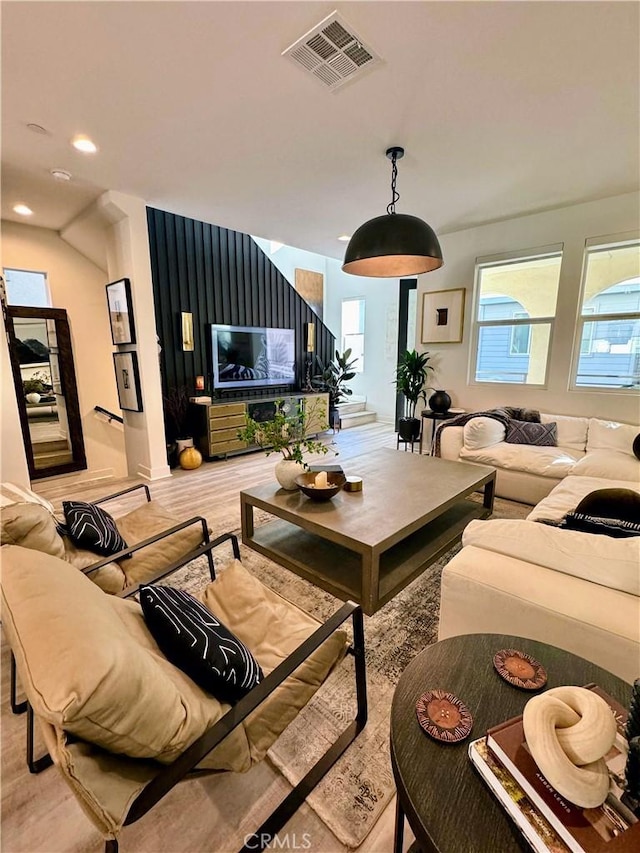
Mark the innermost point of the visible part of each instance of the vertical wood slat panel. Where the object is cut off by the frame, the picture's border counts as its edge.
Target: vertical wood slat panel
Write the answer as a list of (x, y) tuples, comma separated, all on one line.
[(219, 276)]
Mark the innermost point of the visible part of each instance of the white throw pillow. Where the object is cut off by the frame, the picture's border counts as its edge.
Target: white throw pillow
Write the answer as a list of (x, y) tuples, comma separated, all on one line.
[(600, 559), (610, 435), (608, 464), (572, 432), (483, 432)]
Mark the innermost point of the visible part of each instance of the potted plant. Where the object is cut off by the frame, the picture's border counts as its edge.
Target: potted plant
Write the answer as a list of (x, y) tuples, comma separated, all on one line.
[(286, 434), (332, 377), (176, 409), (411, 377)]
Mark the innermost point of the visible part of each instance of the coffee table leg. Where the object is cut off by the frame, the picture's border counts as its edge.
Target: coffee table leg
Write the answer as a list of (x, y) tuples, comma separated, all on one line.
[(246, 519), (489, 490), (398, 834), (370, 582)]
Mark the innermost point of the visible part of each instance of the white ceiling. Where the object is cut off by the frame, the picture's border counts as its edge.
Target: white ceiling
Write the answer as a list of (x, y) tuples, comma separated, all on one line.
[(504, 108)]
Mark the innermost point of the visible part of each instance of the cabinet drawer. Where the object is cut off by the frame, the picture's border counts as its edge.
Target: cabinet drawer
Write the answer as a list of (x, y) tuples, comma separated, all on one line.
[(217, 424), (216, 447), (223, 435), (227, 409)]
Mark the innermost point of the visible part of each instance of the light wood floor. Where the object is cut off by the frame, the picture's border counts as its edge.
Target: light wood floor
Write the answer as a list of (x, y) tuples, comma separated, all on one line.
[(206, 491)]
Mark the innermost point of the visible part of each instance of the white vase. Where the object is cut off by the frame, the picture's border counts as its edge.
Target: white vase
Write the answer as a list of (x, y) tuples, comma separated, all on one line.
[(286, 471), (34, 397)]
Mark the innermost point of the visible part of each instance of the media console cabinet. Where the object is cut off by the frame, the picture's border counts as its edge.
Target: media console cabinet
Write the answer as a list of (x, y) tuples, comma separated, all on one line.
[(216, 424)]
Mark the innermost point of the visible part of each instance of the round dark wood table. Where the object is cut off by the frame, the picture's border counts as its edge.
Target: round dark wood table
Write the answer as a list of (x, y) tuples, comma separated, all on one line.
[(448, 806)]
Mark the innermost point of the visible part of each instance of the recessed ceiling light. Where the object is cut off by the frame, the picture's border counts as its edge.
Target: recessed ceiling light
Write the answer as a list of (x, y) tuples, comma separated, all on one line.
[(22, 209), (61, 174), (37, 128), (84, 144), (344, 238)]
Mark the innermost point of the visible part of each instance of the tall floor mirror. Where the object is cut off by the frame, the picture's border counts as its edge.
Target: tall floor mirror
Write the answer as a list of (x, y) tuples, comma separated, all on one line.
[(45, 382)]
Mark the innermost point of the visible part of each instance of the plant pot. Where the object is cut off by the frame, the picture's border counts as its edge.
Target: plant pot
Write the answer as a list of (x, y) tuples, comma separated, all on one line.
[(440, 402), (286, 471), (190, 458), (33, 397), (409, 429), (183, 443)]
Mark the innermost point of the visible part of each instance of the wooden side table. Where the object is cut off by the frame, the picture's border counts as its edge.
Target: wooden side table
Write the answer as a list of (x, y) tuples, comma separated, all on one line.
[(434, 417), (448, 806)]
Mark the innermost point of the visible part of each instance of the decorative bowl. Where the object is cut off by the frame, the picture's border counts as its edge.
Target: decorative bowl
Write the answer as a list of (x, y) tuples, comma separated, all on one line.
[(305, 482)]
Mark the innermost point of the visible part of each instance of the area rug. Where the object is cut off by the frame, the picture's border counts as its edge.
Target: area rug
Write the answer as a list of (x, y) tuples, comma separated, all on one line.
[(355, 792)]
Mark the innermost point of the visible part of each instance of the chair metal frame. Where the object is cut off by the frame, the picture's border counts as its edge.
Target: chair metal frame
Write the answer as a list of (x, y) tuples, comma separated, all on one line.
[(186, 764), (17, 707)]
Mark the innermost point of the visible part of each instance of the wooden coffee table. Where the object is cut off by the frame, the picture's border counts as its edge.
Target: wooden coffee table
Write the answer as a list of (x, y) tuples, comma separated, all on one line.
[(367, 546), (448, 806)]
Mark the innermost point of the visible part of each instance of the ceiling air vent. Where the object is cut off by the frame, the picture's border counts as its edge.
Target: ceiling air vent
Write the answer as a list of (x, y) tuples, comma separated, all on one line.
[(333, 52)]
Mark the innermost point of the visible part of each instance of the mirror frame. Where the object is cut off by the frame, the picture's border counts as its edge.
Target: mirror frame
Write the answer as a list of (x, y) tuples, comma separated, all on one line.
[(67, 381)]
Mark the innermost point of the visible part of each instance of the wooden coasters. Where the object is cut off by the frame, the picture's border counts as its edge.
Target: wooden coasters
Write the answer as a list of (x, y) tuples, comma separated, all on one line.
[(520, 669), (443, 716)]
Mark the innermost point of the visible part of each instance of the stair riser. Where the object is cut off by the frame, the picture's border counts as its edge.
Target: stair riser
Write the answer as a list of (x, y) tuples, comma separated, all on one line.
[(357, 419)]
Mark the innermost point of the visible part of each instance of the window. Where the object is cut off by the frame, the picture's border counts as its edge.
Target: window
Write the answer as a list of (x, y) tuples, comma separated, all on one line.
[(515, 306), (353, 330), (608, 329), (27, 288)]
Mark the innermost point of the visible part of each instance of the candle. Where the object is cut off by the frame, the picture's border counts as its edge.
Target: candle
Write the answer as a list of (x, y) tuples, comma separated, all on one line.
[(321, 481)]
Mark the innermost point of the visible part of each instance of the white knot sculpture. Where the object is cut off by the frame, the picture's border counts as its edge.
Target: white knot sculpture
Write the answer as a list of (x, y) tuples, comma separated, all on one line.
[(568, 731)]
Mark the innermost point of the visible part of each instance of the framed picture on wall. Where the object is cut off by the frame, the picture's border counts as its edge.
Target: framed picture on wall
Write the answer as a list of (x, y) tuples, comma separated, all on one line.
[(128, 381), (121, 312), (442, 316)]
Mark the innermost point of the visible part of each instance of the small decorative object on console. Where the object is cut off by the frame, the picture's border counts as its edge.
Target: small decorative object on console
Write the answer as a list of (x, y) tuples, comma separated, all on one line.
[(443, 716), (520, 669)]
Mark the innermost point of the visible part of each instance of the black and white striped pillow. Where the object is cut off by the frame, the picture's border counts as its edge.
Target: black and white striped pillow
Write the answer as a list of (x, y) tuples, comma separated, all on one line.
[(91, 527), (194, 640)]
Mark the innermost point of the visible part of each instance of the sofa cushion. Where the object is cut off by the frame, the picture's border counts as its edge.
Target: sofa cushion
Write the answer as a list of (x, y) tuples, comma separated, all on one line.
[(92, 528), (566, 496), (10, 493), (609, 465), (572, 432), (483, 432), (31, 525), (611, 435), (195, 640), (144, 522), (538, 435), (554, 462), (600, 559), (109, 578)]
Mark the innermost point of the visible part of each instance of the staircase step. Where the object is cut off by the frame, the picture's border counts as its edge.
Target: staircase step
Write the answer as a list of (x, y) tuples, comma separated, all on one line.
[(351, 407), (356, 419)]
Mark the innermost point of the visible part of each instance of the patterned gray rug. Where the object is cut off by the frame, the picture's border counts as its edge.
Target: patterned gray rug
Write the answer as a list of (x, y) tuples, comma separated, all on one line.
[(353, 795)]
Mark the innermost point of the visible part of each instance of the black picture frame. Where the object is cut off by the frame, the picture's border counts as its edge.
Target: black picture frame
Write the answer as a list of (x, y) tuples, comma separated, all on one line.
[(121, 312), (128, 381)]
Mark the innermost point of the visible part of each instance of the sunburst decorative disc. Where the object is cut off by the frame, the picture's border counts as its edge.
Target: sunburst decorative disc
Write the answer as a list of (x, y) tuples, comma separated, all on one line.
[(443, 716)]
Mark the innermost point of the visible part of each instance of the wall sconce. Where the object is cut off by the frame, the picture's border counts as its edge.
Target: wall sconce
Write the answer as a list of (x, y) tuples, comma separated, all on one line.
[(311, 337), (187, 332)]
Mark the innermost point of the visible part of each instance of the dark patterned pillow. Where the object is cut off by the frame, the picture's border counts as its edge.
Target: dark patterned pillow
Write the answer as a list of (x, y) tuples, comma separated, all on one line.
[(605, 526), (91, 527), (195, 640), (525, 432)]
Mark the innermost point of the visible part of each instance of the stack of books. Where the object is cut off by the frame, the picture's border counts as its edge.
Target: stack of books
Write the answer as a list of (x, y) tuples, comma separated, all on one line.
[(547, 820)]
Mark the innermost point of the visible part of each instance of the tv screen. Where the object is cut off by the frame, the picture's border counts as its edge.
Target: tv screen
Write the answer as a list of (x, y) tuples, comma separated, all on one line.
[(247, 356)]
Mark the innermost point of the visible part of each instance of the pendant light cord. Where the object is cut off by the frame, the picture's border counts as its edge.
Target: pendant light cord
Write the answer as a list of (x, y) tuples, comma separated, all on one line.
[(395, 195)]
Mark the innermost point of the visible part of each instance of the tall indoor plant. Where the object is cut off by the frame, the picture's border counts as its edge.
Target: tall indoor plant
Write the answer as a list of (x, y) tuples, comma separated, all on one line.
[(412, 373), (332, 379)]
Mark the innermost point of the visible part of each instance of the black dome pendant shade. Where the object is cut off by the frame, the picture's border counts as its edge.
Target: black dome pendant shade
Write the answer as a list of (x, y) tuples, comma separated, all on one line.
[(394, 244)]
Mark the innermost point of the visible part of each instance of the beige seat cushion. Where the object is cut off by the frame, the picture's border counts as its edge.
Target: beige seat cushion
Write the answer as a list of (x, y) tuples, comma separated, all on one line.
[(93, 669), (146, 521), (109, 578), (31, 525)]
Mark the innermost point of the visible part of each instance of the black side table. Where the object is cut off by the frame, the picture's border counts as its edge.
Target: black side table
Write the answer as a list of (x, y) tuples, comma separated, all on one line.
[(434, 417), (448, 806)]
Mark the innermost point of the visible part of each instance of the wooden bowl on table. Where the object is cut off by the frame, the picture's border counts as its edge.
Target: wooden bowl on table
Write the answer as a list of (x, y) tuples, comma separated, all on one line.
[(306, 484)]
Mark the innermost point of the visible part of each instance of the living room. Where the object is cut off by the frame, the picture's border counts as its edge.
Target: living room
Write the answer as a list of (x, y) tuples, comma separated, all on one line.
[(519, 141)]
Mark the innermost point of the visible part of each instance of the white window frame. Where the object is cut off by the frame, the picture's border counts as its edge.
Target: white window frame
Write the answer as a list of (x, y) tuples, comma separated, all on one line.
[(6, 270), (359, 365), (518, 315), (598, 244), (554, 250)]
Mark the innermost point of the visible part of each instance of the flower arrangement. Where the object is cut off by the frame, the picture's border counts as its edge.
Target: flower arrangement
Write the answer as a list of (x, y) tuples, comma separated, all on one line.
[(285, 433)]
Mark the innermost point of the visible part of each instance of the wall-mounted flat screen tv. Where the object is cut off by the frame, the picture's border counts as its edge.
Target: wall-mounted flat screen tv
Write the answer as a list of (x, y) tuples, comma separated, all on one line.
[(250, 356)]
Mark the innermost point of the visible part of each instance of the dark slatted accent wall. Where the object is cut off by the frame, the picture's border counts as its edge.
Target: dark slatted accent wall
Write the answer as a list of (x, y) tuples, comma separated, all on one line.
[(219, 276)]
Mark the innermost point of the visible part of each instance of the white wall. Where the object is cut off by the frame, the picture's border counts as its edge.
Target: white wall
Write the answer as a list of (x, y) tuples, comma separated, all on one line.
[(570, 226), (78, 286), (381, 320), (13, 462)]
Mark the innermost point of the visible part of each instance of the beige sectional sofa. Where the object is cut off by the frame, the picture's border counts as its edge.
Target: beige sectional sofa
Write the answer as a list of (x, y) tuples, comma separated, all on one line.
[(578, 591), (587, 447)]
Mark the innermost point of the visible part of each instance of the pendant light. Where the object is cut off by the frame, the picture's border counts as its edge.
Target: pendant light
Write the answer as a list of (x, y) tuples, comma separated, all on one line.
[(395, 244)]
